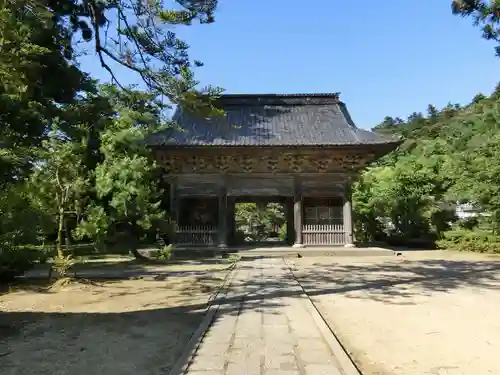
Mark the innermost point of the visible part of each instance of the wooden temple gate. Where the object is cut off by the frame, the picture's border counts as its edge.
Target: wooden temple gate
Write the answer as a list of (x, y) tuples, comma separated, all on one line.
[(301, 149)]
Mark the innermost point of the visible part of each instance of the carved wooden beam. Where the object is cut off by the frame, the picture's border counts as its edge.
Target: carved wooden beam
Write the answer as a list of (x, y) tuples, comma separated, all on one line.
[(263, 161)]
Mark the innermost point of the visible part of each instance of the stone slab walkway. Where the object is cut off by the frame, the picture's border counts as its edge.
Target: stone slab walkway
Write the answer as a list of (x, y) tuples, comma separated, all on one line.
[(263, 327)]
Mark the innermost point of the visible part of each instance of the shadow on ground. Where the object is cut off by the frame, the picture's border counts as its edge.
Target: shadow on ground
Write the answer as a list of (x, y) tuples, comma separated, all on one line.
[(139, 342), (387, 281), (126, 270), (397, 282), (116, 327)]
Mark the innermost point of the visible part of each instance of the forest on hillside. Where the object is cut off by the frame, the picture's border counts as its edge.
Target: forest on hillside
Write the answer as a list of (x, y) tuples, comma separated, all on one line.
[(73, 167), (450, 158)]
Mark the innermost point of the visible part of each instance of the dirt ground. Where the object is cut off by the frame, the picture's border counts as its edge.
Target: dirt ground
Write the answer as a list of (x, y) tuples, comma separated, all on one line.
[(421, 313), (116, 328)]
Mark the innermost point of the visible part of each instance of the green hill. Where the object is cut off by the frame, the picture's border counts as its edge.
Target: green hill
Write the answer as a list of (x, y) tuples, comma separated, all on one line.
[(450, 156)]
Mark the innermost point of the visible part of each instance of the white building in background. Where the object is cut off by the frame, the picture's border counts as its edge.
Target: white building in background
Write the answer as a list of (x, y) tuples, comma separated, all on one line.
[(466, 210), (462, 210)]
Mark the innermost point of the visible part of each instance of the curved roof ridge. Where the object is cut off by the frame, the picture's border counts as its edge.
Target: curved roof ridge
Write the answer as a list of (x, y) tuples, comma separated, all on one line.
[(313, 94), (277, 99)]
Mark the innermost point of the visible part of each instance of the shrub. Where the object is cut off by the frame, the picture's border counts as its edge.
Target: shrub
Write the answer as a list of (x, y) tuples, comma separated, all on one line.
[(468, 223), (15, 261), (283, 232), (63, 265), (165, 253), (425, 241), (467, 240)]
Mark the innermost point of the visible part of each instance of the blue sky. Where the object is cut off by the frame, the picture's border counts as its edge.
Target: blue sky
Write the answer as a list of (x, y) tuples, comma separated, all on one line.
[(385, 57)]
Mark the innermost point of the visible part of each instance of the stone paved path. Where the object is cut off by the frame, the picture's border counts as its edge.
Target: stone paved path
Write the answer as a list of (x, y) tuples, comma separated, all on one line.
[(264, 328)]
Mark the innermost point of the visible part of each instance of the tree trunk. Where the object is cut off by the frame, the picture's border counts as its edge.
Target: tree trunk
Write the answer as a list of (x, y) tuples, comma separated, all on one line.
[(134, 231), (67, 233), (60, 232)]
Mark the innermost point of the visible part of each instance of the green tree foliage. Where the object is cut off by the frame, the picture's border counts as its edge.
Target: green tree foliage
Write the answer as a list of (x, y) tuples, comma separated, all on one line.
[(36, 80), (40, 42), (127, 179), (486, 15), (93, 173), (94, 169), (139, 36), (449, 156), (475, 164), (257, 222), (59, 181), (22, 222)]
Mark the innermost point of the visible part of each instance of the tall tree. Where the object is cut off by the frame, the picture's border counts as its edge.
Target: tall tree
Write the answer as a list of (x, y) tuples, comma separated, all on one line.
[(40, 42), (127, 180), (36, 80), (60, 181), (138, 35)]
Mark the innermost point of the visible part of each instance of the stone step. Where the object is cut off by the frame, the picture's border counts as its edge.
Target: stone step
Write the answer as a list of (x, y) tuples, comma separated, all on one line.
[(311, 252), (283, 252)]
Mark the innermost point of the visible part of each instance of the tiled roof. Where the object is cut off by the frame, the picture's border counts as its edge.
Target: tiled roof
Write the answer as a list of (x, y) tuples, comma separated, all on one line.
[(271, 120)]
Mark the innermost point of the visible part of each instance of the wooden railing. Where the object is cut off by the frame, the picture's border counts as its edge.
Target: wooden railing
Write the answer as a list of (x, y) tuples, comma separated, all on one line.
[(196, 235), (316, 234)]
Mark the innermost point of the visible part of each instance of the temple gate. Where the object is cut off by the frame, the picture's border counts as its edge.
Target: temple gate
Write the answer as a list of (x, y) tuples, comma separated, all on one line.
[(302, 150)]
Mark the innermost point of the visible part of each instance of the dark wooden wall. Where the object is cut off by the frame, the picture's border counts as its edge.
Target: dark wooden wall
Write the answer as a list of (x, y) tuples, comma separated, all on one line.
[(257, 185)]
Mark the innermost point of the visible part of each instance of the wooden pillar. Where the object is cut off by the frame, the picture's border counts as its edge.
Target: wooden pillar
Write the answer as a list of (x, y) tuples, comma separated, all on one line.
[(231, 220), (290, 227), (222, 216), (347, 215), (174, 201), (174, 209), (297, 216)]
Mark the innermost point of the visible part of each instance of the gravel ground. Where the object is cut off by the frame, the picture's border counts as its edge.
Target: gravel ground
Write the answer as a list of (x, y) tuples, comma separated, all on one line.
[(421, 313), (116, 328)]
